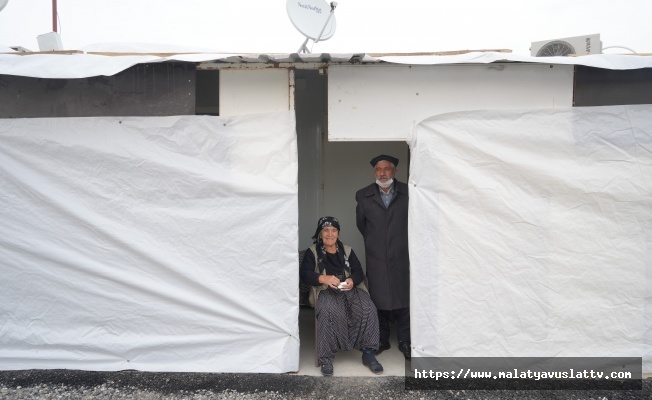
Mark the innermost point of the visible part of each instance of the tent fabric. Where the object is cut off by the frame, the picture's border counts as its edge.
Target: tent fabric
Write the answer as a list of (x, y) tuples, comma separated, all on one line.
[(158, 244), (531, 233), (82, 65), (606, 61)]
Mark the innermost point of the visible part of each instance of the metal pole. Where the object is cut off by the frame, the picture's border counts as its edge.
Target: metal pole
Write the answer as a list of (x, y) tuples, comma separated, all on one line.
[(54, 15)]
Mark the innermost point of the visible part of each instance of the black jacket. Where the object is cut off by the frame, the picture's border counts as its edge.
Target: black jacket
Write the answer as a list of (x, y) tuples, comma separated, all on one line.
[(385, 232), (308, 275)]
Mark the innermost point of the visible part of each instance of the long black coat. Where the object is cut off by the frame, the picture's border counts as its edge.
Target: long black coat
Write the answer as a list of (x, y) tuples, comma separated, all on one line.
[(385, 232)]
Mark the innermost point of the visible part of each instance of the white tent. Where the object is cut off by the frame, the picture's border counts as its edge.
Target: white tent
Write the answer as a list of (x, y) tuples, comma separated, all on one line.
[(531, 233), (159, 244)]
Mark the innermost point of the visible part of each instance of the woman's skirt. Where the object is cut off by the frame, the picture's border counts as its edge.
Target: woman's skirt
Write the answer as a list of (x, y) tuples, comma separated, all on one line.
[(346, 319)]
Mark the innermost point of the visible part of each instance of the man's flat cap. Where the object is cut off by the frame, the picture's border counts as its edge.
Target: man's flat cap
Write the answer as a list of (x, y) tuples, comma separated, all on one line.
[(384, 157)]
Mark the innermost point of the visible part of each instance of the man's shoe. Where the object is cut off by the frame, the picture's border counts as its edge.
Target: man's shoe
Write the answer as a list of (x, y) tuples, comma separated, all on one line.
[(369, 360), (327, 369), (404, 347), (383, 347)]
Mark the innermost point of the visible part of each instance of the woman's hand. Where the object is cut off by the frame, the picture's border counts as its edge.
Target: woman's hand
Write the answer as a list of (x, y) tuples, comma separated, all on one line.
[(329, 280)]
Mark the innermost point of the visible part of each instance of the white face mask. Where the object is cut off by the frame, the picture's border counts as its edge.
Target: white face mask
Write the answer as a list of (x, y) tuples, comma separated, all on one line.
[(385, 185)]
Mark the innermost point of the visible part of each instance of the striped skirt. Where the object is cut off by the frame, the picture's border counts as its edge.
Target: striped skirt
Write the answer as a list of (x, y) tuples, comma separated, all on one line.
[(345, 320)]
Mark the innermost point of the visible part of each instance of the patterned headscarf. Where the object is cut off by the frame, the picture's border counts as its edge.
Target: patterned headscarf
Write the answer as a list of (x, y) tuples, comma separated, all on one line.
[(324, 222)]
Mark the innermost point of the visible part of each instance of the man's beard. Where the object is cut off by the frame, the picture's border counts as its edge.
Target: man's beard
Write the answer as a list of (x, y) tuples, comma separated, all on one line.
[(385, 185)]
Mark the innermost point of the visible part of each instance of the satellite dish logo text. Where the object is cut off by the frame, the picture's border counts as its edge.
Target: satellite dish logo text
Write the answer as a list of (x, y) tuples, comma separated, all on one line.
[(309, 7)]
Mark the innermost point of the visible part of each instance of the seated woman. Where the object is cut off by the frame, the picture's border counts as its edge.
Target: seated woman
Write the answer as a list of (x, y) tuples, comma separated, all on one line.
[(346, 316)]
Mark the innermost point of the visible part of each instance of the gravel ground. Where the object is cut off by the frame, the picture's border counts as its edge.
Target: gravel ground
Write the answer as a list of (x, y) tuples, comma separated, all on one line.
[(69, 384)]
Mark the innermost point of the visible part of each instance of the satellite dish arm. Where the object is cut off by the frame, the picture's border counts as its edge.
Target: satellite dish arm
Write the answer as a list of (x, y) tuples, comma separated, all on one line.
[(333, 5), (303, 48)]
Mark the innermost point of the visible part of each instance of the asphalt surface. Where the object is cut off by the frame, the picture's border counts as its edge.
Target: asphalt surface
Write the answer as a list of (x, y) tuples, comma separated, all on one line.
[(71, 384)]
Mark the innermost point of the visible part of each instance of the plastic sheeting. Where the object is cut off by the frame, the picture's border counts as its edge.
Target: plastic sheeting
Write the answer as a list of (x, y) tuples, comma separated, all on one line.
[(531, 234), (158, 244), (606, 61), (81, 65)]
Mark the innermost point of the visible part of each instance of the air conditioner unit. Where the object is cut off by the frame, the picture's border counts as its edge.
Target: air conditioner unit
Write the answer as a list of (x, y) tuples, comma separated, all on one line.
[(588, 44)]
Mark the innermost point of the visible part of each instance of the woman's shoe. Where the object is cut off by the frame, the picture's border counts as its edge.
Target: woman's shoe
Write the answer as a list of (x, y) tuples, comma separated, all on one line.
[(369, 360), (327, 369), (374, 366)]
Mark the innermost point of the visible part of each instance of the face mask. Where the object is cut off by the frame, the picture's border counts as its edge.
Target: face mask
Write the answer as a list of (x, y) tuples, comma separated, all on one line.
[(385, 185)]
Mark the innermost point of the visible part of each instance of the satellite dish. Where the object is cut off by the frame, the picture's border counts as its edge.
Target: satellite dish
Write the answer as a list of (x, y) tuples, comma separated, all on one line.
[(315, 19), (3, 3)]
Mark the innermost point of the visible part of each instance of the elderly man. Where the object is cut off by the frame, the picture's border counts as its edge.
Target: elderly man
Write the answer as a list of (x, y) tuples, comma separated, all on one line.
[(382, 218)]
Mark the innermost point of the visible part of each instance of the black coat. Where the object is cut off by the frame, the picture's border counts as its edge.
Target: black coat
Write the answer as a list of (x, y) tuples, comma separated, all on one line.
[(385, 232)]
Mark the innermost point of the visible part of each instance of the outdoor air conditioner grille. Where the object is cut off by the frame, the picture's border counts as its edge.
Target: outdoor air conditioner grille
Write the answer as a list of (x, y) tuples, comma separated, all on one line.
[(556, 48)]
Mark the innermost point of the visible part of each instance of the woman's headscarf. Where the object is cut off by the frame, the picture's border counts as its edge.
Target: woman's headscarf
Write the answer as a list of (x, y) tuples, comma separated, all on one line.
[(321, 224), (324, 222)]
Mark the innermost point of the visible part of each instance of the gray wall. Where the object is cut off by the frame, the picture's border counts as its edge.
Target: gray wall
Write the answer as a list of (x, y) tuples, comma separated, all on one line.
[(310, 106), (157, 89), (605, 87)]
